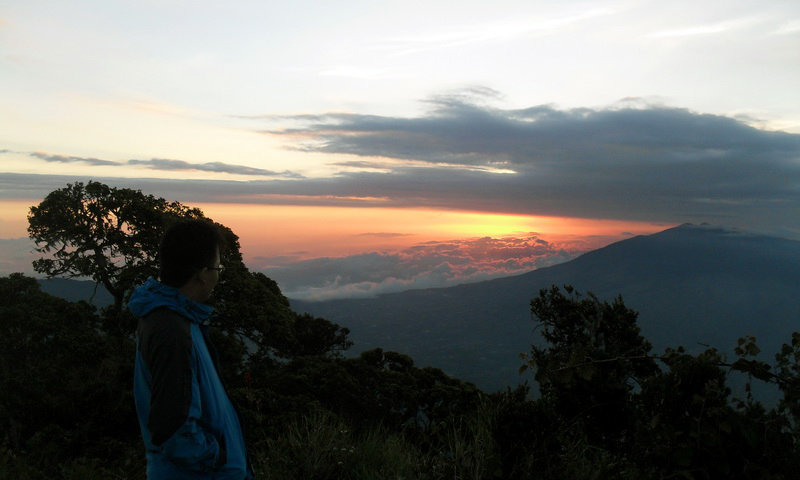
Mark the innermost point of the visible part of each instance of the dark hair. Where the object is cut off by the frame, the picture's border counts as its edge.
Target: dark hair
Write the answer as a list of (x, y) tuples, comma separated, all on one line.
[(188, 246)]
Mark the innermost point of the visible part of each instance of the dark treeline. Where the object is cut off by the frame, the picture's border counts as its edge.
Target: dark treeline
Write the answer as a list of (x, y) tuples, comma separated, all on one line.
[(606, 405)]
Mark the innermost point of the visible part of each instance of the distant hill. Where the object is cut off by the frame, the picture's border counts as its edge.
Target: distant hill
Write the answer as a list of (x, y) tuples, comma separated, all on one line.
[(692, 285), (76, 290)]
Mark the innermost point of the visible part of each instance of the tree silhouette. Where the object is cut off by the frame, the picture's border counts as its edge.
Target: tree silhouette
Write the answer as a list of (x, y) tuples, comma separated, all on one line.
[(618, 411), (64, 384), (108, 234), (593, 359), (112, 235)]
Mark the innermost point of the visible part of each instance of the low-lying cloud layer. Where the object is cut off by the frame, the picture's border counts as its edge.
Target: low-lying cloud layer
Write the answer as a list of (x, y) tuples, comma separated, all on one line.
[(428, 265)]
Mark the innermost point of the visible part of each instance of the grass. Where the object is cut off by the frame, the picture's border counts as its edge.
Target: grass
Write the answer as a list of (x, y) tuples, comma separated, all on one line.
[(321, 445)]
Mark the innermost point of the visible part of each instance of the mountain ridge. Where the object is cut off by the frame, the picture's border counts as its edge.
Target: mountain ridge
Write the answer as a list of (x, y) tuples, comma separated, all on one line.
[(692, 285)]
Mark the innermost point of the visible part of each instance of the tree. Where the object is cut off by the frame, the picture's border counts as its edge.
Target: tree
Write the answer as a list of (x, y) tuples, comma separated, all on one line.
[(112, 235), (593, 359), (316, 336), (618, 415), (64, 384), (109, 234)]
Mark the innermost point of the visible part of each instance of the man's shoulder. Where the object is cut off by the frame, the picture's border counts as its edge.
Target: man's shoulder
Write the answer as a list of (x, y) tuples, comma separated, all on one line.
[(163, 320)]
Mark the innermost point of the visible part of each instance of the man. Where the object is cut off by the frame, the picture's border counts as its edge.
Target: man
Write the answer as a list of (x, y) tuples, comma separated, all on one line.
[(190, 428)]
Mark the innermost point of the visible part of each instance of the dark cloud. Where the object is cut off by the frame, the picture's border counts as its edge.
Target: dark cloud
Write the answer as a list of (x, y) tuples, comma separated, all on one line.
[(432, 264), (219, 167), (166, 164), (639, 163), (361, 164), (543, 136), (71, 159)]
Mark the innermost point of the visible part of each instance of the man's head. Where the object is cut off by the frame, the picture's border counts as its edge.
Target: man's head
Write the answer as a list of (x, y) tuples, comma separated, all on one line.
[(189, 255)]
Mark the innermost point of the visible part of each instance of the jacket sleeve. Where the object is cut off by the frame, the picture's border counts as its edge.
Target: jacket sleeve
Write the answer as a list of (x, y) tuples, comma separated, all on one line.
[(175, 407)]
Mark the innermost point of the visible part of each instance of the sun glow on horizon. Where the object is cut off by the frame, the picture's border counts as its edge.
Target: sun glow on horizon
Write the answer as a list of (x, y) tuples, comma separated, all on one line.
[(314, 231), (272, 234)]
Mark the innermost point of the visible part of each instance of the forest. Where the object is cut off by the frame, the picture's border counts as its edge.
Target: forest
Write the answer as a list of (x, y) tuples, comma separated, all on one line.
[(603, 404)]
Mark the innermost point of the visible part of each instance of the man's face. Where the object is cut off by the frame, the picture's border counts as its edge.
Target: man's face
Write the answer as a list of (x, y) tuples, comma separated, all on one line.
[(211, 276)]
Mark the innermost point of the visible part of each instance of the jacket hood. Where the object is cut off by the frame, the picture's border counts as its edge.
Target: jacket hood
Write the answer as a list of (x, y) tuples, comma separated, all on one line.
[(154, 294)]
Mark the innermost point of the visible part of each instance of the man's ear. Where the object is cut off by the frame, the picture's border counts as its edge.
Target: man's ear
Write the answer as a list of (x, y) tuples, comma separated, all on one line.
[(196, 278)]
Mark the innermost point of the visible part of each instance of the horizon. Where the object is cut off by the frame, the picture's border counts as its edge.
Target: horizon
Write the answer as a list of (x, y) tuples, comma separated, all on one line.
[(298, 273), (425, 264), (362, 149)]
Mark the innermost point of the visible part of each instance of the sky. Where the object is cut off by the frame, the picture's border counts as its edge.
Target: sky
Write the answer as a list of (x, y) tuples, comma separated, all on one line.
[(366, 147)]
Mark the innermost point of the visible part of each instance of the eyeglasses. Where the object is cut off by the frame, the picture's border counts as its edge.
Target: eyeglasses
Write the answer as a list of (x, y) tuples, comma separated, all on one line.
[(220, 269)]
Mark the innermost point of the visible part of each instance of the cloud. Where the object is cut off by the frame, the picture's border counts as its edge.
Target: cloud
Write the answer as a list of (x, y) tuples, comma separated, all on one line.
[(432, 264), (71, 159), (630, 161), (219, 167), (484, 32), (165, 165), (788, 28), (627, 162), (460, 132), (704, 29)]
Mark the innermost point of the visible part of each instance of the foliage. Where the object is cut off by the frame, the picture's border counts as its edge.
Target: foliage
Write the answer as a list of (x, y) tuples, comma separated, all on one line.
[(378, 388), (320, 445), (788, 378), (60, 378), (315, 336), (664, 415), (593, 357), (108, 234)]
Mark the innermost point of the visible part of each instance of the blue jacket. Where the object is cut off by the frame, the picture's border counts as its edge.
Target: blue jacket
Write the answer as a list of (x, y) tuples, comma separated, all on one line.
[(190, 428)]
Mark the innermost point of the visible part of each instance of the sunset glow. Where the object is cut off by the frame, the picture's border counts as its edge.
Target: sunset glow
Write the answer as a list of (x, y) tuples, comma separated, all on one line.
[(308, 232), (14, 218)]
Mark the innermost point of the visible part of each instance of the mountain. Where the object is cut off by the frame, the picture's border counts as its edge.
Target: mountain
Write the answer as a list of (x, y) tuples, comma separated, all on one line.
[(692, 286), (76, 290)]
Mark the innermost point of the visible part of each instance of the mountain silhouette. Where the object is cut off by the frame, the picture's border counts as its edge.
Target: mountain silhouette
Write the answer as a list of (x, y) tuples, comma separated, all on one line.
[(77, 290), (694, 286)]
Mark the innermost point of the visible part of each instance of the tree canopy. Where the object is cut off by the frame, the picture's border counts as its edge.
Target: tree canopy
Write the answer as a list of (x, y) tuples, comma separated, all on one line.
[(112, 235), (108, 234)]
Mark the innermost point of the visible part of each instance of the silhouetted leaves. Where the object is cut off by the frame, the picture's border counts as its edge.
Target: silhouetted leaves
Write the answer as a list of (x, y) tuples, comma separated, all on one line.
[(64, 384), (108, 234)]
